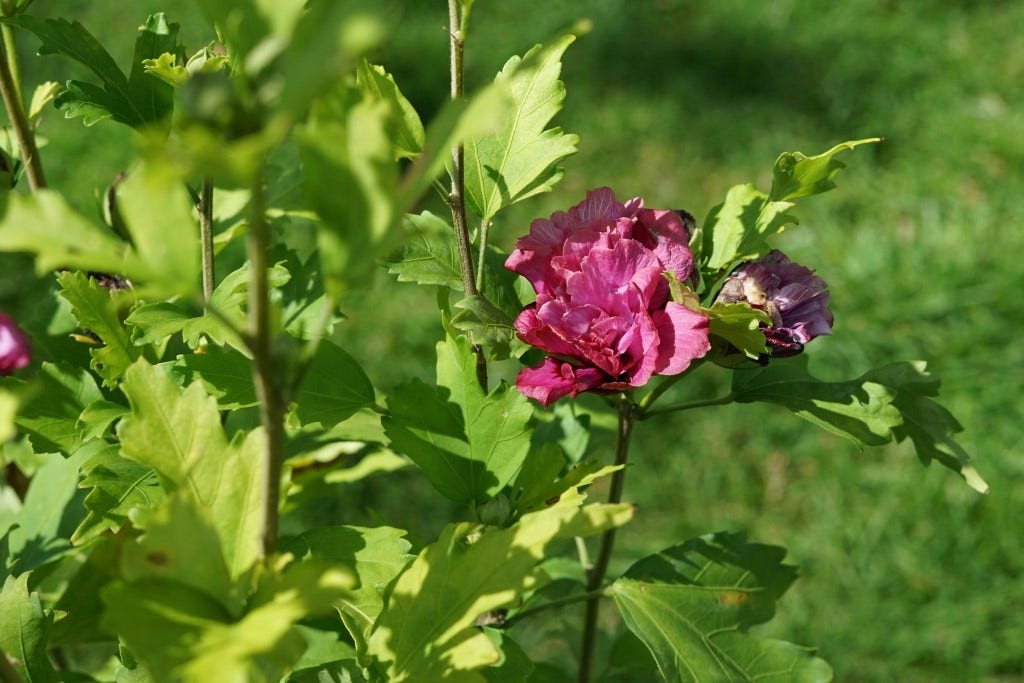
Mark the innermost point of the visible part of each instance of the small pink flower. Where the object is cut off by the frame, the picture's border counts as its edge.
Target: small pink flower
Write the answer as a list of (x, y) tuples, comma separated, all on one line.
[(794, 297), (603, 312), (15, 352)]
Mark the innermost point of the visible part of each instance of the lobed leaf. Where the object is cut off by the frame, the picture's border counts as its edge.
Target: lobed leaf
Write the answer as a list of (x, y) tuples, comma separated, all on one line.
[(425, 631), (519, 160), (409, 135), (118, 487), (96, 309), (179, 434), (692, 605), (889, 403)]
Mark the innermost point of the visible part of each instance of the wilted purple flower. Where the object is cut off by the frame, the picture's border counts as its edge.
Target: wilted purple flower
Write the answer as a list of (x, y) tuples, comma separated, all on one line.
[(15, 352), (603, 312), (794, 297)]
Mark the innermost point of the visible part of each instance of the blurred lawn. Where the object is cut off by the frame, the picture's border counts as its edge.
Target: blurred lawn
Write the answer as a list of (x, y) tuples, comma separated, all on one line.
[(907, 574)]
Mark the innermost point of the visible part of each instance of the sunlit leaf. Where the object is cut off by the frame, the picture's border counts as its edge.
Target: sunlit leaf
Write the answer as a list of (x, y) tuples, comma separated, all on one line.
[(425, 631), (797, 175), (24, 630), (519, 161), (179, 434), (376, 556), (409, 134)]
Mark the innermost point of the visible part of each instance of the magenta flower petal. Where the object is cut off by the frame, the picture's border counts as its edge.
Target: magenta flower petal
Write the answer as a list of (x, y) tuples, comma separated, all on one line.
[(603, 313), (683, 337), (553, 379), (15, 352)]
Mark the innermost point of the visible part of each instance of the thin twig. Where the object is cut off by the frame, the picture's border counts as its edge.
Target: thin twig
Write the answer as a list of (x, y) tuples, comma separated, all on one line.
[(596, 575), (553, 604), (206, 238), (9, 90), (678, 407), (266, 374), (457, 198)]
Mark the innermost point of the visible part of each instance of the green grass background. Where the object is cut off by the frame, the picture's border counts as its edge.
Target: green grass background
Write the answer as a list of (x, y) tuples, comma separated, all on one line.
[(907, 574)]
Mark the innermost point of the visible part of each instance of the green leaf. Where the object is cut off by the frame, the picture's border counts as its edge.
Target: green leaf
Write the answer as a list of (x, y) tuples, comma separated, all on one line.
[(137, 100), (485, 324), (328, 39), (181, 545), (796, 175), (96, 309), (49, 513), (179, 434), (409, 136), (458, 121), (50, 406), (469, 445), (334, 388), (118, 486), (225, 373), (376, 556), (168, 68), (928, 425), (24, 630), (426, 629), (889, 403), (43, 224), (429, 256), (740, 325), (519, 161), (692, 605), (159, 215), (350, 180), (735, 230)]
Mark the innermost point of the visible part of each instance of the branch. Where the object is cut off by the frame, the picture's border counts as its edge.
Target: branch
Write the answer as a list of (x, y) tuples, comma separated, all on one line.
[(19, 120)]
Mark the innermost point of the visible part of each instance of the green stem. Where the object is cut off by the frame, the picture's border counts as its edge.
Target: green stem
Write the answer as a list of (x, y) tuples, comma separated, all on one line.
[(554, 604), (678, 407), (596, 575), (266, 375), (11, 49), (206, 238), (8, 674), (457, 197), (11, 93)]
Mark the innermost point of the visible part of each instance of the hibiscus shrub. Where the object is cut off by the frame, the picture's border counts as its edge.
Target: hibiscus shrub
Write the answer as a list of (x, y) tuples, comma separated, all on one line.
[(188, 388)]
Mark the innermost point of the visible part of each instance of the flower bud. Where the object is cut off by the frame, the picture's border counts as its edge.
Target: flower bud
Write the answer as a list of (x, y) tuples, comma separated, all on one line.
[(794, 297), (15, 352)]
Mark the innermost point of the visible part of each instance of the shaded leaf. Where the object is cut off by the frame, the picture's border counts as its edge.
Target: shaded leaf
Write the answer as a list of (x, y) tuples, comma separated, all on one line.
[(51, 510), (334, 388), (692, 605), (117, 486), (50, 406), (888, 403), (469, 445), (429, 256)]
